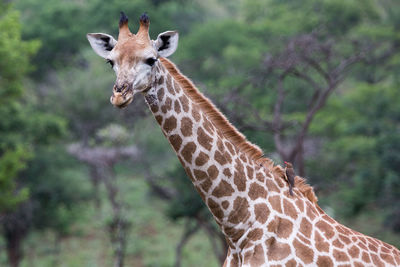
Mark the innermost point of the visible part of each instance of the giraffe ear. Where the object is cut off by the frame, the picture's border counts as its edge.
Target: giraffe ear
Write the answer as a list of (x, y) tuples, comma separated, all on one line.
[(166, 43), (101, 43)]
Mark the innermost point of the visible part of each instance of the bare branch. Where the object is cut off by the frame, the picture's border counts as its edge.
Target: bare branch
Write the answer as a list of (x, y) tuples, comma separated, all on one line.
[(277, 122)]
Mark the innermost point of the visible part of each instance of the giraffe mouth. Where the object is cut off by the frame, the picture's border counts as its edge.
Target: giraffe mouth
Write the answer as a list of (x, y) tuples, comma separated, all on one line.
[(123, 98)]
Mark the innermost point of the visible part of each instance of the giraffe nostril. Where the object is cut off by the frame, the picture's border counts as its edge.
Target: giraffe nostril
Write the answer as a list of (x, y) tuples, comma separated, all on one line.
[(121, 88), (118, 89)]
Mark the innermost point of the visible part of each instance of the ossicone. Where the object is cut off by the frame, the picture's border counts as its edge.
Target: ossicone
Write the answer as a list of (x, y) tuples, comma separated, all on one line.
[(143, 32), (144, 19), (124, 31), (123, 20)]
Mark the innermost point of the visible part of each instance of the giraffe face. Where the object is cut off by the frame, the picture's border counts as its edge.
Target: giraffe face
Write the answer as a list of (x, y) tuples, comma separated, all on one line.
[(133, 57)]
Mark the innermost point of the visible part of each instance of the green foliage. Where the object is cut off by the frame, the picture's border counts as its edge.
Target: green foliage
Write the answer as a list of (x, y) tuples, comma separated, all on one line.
[(368, 144), (12, 162), (14, 54), (56, 188), (14, 146)]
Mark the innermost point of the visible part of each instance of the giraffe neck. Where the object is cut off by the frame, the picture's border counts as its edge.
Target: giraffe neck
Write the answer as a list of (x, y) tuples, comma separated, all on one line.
[(226, 178)]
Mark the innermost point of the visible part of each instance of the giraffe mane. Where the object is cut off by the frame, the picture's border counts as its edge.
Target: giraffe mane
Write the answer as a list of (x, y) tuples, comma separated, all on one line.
[(252, 151)]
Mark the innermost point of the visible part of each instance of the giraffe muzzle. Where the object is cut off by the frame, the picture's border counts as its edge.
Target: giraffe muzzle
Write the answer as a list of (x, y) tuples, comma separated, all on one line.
[(122, 96)]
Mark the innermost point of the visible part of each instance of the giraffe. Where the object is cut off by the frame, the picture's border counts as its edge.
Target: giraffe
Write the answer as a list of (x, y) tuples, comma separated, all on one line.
[(247, 194)]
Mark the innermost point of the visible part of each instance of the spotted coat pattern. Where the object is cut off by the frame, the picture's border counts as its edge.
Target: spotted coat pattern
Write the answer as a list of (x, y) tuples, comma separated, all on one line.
[(263, 224)]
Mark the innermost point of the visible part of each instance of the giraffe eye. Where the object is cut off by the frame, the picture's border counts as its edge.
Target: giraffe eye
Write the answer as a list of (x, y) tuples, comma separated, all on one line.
[(150, 61), (110, 62)]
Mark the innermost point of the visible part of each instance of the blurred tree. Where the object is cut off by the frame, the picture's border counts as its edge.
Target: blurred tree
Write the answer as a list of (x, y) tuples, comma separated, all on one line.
[(101, 160), (24, 133), (363, 128), (15, 145)]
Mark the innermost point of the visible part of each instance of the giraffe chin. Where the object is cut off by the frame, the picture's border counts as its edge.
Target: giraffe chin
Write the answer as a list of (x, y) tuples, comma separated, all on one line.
[(121, 99)]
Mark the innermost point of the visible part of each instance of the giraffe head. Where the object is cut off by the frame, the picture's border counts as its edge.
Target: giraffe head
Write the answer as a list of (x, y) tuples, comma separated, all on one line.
[(133, 57)]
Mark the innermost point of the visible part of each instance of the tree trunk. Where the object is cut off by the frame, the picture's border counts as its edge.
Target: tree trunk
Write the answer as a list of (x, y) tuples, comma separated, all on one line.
[(118, 225), (14, 253)]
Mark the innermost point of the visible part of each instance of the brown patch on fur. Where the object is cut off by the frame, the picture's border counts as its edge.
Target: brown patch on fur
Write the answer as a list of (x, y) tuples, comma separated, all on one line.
[(239, 181), (170, 88), (177, 107), (186, 126), (227, 172), (168, 104), (230, 147), (324, 261), (154, 108), (188, 150), (212, 172), (215, 208), (257, 191), (305, 227), (277, 250), (337, 243), (206, 185), (250, 172), (304, 240), (257, 258), (176, 142), (271, 185), (176, 87), (320, 243), (300, 204), (284, 228), (345, 239), (219, 158), (204, 139), (255, 234), (305, 253), (196, 114), (243, 158), (325, 228), (225, 204), (275, 202), (200, 175), (201, 159), (365, 257), (291, 263), (234, 233), (260, 177), (340, 256), (160, 94), (185, 103), (261, 212), (354, 252), (289, 209), (169, 124), (224, 189), (373, 248), (240, 212), (159, 119), (311, 213)]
